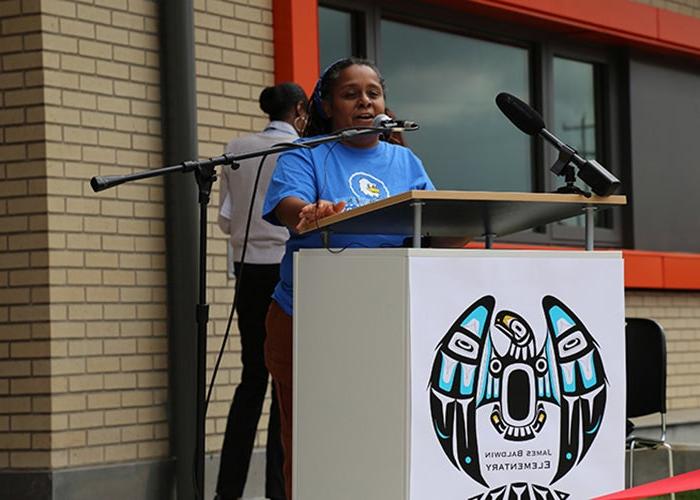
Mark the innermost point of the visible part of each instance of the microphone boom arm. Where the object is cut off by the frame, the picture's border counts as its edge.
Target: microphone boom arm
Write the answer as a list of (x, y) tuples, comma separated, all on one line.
[(100, 183)]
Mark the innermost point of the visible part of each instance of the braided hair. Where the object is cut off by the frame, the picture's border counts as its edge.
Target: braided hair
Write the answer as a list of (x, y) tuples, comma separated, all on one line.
[(318, 123)]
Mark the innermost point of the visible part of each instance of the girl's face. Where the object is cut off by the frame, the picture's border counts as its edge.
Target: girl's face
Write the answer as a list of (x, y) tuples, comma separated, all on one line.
[(356, 98)]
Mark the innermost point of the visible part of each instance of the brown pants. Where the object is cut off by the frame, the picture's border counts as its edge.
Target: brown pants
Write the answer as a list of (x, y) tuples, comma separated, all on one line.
[(278, 358)]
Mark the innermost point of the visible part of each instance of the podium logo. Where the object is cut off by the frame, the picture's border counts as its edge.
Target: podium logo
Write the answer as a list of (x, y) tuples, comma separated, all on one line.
[(489, 371)]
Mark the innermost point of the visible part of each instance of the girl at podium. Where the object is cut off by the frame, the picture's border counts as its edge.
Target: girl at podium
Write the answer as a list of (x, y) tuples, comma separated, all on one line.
[(309, 184)]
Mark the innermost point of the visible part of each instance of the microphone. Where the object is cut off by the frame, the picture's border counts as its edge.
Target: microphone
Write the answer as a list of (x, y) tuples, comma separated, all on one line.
[(529, 121), (523, 116), (385, 121)]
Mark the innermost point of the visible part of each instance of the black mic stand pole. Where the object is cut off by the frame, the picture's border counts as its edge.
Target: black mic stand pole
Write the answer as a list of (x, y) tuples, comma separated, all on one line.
[(205, 175)]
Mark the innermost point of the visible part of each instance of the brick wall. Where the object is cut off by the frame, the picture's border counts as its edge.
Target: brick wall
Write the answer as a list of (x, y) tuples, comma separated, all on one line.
[(24, 265), (679, 315), (95, 388), (109, 355), (83, 351), (234, 63), (686, 7)]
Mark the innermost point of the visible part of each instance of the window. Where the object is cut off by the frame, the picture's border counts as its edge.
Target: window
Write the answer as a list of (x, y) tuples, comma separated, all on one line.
[(574, 116), (448, 85), (444, 69), (336, 38)]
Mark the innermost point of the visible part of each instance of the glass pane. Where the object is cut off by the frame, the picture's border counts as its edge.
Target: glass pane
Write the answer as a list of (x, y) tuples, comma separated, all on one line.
[(575, 119), (447, 83), (335, 35)]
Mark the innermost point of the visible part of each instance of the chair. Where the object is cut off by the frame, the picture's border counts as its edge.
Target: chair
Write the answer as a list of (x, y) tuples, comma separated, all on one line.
[(646, 383)]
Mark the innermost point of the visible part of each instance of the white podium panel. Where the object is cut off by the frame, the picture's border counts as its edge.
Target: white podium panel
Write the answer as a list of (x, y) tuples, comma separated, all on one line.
[(455, 374)]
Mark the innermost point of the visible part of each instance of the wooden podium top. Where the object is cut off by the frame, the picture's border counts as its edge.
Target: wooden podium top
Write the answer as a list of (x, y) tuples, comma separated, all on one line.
[(467, 214)]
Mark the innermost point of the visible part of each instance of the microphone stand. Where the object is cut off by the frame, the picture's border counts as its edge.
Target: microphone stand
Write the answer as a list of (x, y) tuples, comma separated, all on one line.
[(205, 176)]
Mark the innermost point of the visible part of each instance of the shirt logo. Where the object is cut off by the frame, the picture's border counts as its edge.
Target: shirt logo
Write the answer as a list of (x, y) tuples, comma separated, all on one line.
[(365, 188)]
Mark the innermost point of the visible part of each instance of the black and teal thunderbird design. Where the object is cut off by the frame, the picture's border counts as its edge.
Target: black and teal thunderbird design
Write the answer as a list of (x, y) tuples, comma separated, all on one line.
[(469, 373)]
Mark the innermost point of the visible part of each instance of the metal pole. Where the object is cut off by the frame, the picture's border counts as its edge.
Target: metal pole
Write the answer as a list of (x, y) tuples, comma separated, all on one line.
[(590, 226), (179, 121), (417, 222)]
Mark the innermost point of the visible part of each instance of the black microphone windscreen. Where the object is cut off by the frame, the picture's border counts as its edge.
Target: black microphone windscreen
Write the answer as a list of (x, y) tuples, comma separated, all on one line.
[(523, 116)]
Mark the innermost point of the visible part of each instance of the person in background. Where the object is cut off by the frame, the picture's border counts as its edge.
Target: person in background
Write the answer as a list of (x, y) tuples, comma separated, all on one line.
[(309, 184), (285, 104)]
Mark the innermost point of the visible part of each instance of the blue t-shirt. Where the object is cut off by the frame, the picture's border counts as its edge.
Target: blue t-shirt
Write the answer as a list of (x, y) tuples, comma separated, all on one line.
[(336, 172)]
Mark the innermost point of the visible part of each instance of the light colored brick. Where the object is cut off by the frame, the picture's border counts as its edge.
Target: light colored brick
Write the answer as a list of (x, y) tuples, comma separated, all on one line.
[(103, 364), (130, 90), (132, 22), (152, 379), (78, 63), (94, 14), (137, 398), (80, 383), (61, 43), (137, 433), (248, 13), (68, 439), (127, 416), (121, 452), (78, 100), (102, 400), (59, 8), (206, 20), (87, 419), (85, 456), (137, 363), (113, 104), (154, 449), (116, 139), (144, 74), (129, 55), (133, 124), (94, 49), (83, 242), (112, 35), (120, 381), (108, 435), (76, 28), (96, 84), (68, 403)]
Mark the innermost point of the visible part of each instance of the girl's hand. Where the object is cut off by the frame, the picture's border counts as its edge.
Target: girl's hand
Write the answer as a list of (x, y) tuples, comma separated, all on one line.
[(314, 212)]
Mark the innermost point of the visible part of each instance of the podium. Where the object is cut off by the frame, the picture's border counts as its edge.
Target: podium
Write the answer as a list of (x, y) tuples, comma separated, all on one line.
[(453, 374), (467, 214)]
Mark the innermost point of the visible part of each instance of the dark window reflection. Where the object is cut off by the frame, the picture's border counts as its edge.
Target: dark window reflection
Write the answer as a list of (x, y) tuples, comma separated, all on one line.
[(575, 121), (447, 83), (335, 35)]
